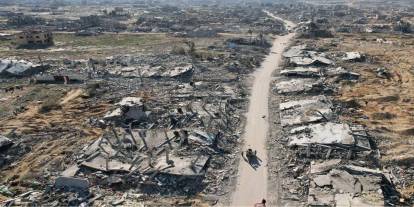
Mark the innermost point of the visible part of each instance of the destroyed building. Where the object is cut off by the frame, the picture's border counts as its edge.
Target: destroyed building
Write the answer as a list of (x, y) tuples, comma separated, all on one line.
[(343, 156), (20, 68), (21, 20), (147, 119), (314, 30), (34, 38)]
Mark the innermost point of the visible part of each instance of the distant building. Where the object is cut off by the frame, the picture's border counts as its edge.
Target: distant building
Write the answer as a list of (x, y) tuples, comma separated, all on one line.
[(34, 38), (118, 12)]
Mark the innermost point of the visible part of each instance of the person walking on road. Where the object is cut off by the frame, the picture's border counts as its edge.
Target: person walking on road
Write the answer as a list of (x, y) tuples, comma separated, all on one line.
[(262, 204)]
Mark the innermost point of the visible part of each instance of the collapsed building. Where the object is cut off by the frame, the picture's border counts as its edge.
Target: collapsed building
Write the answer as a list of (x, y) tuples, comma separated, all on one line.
[(343, 156), (348, 184), (20, 68), (153, 149)]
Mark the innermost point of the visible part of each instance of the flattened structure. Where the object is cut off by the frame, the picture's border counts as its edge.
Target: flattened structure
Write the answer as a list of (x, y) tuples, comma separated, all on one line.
[(329, 133), (302, 72), (299, 85), (305, 111), (336, 186)]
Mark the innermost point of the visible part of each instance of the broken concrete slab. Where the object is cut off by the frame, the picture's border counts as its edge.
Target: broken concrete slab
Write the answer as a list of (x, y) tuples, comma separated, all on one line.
[(104, 164), (339, 135), (69, 183), (335, 185), (342, 181), (5, 143), (179, 71), (295, 51), (325, 166), (321, 60), (305, 111), (322, 180), (129, 108), (19, 68), (299, 86), (204, 138), (302, 72), (309, 58), (183, 166), (318, 197), (362, 170), (131, 102), (341, 73), (353, 56), (70, 171), (301, 61)]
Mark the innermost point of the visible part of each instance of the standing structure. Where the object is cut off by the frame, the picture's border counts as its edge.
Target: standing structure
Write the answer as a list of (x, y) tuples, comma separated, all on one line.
[(34, 38)]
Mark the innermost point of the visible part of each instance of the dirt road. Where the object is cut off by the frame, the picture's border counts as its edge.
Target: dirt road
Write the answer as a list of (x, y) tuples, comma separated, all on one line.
[(252, 183)]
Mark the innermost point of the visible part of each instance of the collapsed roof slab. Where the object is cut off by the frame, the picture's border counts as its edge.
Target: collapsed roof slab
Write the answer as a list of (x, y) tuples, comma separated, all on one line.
[(305, 111), (312, 58), (301, 61), (321, 60), (299, 86), (179, 71), (101, 163), (295, 51), (328, 133), (341, 73), (183, 166), (323, 167), (335, 186), (128, 108), (302, 72), (20, 68)]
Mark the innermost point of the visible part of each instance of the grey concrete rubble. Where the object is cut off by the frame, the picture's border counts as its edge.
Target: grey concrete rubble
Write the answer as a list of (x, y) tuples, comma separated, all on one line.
[(353, 56), (312, 29), (299, 86), (169, 149), (383, 73), (19, 68), (338, 135), (129, 108), (5, 143), (308, 61), (336, 185), (312, 132), (299, 56), (305, 111), (70, 183), (295, 51), (341, 73), (141, 103), (302, 72)]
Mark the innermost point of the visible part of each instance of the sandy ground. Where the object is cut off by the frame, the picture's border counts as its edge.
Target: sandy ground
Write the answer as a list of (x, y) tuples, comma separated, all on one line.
[(252, 183)]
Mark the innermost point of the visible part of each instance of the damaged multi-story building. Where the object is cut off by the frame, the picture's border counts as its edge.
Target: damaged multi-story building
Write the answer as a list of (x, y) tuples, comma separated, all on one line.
[(34, 38)]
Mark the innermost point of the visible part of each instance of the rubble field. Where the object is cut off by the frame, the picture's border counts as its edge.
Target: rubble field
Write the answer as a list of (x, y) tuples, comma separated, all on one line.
[(342, 108), (128, 117), (127, 104)]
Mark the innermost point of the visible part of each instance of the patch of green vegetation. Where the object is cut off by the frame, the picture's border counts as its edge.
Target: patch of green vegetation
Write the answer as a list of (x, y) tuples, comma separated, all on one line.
[(108, 40)]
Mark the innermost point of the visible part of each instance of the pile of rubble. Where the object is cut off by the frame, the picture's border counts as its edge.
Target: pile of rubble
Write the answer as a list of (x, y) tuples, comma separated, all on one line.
[(164, 146), (337, 162), (19, 68)]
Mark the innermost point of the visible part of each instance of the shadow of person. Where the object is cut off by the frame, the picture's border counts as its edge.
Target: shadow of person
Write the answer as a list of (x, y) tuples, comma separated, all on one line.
[(253, 160)]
